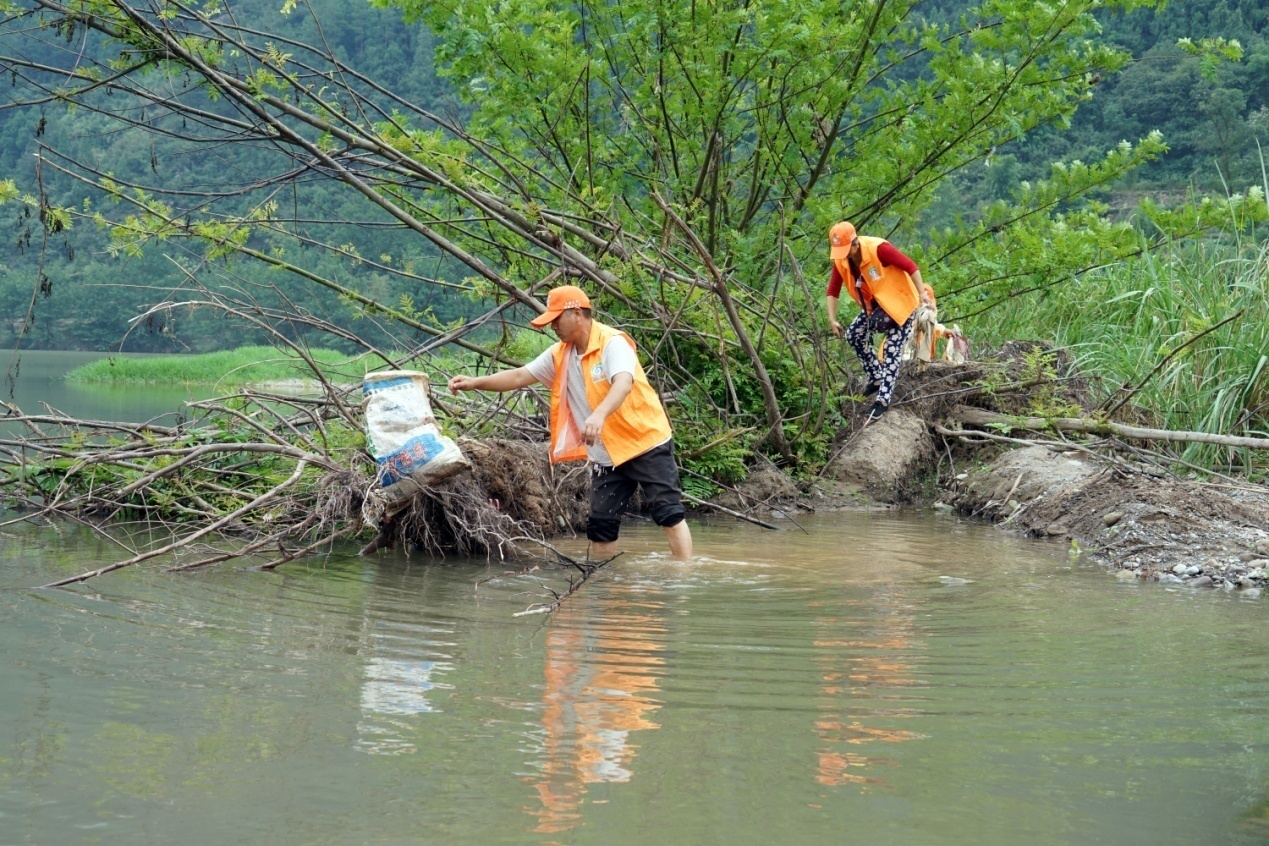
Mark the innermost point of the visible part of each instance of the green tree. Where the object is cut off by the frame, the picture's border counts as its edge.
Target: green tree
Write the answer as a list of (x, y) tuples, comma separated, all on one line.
[(1226, 130), (682, 159)]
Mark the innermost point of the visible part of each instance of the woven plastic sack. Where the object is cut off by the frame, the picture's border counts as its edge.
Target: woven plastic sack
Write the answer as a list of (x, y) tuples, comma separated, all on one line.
[(406, 442)]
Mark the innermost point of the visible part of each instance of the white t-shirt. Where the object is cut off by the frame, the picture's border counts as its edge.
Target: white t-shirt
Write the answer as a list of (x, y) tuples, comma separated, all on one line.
[(618, 357)]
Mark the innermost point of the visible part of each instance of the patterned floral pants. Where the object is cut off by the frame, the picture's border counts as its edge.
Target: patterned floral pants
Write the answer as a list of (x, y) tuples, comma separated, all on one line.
[(884, 372)]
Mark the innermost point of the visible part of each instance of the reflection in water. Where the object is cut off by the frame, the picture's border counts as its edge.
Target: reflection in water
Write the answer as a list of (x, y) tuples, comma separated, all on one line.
[(601, 671), (858, 671), (395, 688), (232, 707), (398, 687)]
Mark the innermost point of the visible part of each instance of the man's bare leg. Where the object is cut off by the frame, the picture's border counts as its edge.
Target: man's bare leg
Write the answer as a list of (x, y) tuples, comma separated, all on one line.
[(678, 535), (599, 550), (680, 538)]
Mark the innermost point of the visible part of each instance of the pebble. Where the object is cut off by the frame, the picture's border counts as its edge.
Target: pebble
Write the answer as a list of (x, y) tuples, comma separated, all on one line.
[(1246, 582), (1054, 530), (777, 514), (1262, 547), (1171, 579), (1211, 564), (960, 477), (942, 506), (1258, 563), (1251, 593), (1125, 575), (1193, 570), (1112, 517), (1202, 581), (1180, 569)]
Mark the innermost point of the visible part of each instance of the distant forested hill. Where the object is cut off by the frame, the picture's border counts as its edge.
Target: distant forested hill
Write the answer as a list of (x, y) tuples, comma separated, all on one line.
[(1209, 123), (1212, 125), (90, 294)]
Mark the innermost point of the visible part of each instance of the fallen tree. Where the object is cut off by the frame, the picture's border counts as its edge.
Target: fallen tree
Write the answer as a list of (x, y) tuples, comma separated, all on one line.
[(1095, 426), (198, 494)]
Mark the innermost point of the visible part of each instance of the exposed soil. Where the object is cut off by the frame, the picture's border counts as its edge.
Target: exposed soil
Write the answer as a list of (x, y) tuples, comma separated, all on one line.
[(1142, 525), (766, 487)]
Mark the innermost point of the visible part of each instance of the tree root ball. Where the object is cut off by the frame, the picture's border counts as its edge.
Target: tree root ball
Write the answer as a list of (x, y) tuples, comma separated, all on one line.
[(512, 494)]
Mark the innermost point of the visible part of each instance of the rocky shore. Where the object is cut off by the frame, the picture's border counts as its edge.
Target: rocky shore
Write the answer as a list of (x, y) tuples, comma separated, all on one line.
[(1140, 525)]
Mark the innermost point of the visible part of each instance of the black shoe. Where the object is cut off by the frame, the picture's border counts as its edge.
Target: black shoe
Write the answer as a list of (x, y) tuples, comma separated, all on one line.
[(875, 412)]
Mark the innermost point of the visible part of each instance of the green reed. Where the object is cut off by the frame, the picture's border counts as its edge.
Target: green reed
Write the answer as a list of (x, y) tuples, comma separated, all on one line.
[(1119, 322)]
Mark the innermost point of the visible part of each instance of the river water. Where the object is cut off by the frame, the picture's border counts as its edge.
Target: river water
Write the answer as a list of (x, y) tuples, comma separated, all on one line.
[(882, 678)]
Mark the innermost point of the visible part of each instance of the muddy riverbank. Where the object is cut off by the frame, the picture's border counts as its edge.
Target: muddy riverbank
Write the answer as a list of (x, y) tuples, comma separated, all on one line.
[(1136, 523), (1116, 508)]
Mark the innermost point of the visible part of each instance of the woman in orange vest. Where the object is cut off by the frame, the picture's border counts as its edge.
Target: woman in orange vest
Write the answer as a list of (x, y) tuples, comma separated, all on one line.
[(887, 286), (603, 410)]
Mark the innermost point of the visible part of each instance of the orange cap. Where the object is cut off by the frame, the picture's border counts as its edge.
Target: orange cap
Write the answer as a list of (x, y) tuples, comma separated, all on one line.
[(840, 237), (565, 296)]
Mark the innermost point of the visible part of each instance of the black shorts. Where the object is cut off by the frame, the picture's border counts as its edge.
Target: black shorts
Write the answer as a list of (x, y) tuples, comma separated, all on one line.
[(611, 488)]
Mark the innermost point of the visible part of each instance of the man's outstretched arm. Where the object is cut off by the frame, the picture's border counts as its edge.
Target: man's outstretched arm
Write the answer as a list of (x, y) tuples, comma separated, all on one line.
[(502, 381)]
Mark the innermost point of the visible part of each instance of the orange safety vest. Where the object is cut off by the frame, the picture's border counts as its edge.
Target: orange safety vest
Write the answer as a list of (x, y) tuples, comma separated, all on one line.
[(636, 426), (892, 288)]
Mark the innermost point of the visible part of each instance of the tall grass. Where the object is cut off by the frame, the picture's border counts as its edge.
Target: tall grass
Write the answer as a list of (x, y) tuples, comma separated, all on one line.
[(1120, 322), (241, 366)]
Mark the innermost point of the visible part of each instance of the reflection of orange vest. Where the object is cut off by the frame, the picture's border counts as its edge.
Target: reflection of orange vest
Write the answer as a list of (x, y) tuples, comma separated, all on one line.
[(891, 287), (602, 678), (636, 426)]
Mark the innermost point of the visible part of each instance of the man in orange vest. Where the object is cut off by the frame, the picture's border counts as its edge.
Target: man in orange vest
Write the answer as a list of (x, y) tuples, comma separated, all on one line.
[(603, 410), (887, 286)]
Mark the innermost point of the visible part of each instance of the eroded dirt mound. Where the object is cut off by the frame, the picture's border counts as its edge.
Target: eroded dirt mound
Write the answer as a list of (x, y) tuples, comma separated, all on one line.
[(887, 456), (931, 391), (1149, 526), (1143, 523), (764, 488)]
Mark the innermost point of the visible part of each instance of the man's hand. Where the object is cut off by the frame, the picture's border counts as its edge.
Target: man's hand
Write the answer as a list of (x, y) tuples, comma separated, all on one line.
[(592, 428), (462, 383), (830, 303), (503, 380), (622, 384)]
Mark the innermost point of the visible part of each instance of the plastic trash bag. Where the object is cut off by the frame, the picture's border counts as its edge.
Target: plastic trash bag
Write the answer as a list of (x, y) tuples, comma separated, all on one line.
[(406, 442)]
